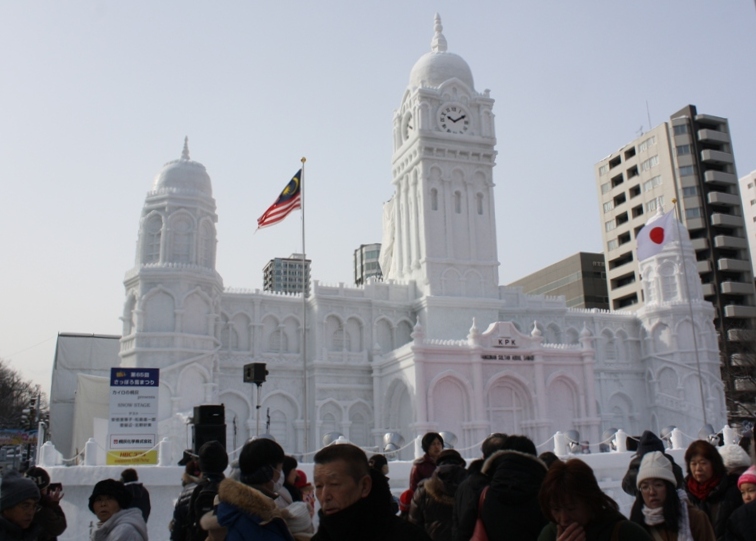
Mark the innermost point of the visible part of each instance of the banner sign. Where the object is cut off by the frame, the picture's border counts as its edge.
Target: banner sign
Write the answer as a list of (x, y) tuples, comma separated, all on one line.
[(133, 430)]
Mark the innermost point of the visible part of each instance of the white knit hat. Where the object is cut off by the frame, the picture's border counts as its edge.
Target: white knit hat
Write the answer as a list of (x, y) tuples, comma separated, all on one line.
[(655, 466), (734, 456)]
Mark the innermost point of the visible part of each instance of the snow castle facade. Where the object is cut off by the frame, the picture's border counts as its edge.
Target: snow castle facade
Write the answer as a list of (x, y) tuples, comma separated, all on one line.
[(439, 345)]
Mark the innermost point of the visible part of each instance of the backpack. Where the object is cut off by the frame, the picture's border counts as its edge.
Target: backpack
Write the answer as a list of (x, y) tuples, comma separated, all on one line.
[(202, 500)]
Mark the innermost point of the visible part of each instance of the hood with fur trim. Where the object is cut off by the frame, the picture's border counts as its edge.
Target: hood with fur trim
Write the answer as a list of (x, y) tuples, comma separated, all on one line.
[(443, 484), (248, 499)]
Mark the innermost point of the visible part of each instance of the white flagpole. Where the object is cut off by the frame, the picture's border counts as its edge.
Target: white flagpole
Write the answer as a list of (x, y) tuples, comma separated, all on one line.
[(690, 310), (304, 310)]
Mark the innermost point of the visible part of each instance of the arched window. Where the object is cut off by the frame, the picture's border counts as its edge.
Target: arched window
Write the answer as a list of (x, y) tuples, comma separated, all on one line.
[(458, 202), (434, 198), (152, 234), (205, 258), (479, 202), (182, 240)]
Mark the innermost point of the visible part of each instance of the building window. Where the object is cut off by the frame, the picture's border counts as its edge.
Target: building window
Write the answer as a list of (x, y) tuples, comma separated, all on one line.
[(645, 144), (479, 201), (434, 199), (690, 191), (655, 204), (609, 205), (681, 129), (693, 213), (687, 171), (684, 150), (605, 187), (653, 183), (604, 169), (610, 225), (649, 163), (612, 245), (458, 202), (153, 229)]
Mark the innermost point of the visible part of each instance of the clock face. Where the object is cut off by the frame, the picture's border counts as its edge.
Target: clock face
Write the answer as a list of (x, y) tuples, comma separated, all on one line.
[(454, 118), (408, 126)]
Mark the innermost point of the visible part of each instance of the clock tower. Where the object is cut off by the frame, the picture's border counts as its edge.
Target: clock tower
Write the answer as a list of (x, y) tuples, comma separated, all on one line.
[(440, 225)]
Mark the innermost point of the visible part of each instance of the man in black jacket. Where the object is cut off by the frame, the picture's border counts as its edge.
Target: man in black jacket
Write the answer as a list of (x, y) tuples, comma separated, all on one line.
[(140, 496), (466, 498), (355, 501)]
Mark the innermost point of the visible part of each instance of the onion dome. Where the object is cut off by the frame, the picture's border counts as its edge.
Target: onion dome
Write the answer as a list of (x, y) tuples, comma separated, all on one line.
[(439, 65), (184, 175)]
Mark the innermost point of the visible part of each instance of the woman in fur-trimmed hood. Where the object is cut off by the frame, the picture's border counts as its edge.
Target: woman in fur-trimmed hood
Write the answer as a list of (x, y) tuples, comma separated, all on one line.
[(433, 501), (247, 514), (511, 509)]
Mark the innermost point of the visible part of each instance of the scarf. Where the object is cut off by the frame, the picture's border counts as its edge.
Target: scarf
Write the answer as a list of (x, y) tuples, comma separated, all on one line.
[(702, 490), (655, 517)]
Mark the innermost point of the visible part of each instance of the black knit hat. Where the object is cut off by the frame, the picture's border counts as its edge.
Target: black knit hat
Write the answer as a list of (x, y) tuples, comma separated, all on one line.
[(15, 489), (40, 477), (114, 489), (213, 457), (649, 442)]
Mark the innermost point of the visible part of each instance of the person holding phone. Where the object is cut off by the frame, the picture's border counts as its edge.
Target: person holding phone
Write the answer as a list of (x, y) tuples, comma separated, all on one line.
[(50, 516)]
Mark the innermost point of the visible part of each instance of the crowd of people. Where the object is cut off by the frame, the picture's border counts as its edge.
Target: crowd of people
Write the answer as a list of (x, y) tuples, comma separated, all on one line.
[(511, 492)]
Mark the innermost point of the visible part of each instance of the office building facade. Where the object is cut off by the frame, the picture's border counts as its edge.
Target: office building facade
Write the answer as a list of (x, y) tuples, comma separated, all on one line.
[(580, 279), (366, 264), (286, 275)]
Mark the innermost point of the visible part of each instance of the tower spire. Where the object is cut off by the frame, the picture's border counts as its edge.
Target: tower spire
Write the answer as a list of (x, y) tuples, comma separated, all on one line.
[(185, 152), (438, 43)]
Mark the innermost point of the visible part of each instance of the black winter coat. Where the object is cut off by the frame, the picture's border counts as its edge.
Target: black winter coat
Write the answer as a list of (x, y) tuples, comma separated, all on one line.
[(369, 519), (182, 522), (433, 501), (741, 526), (720, 504), (466, 502), (140, 498), (511, 509)]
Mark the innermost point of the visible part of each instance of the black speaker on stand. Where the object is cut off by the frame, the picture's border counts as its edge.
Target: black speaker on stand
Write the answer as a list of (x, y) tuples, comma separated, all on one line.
[(208, 424)]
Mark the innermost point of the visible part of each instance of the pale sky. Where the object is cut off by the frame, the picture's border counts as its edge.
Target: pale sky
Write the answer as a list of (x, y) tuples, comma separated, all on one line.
[(95, 96)]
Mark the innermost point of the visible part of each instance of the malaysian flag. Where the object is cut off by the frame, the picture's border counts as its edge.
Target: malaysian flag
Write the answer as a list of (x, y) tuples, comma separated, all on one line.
[(290, 199)]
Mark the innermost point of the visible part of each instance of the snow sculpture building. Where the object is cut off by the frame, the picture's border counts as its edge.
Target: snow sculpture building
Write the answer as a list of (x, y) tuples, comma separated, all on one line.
[(439, 344)]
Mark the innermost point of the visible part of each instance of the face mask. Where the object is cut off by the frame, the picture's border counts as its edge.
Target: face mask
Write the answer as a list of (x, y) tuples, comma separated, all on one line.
[(278, 485)]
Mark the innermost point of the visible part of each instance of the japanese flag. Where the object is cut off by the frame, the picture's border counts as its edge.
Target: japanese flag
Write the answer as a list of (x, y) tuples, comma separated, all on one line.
[(656, 234)]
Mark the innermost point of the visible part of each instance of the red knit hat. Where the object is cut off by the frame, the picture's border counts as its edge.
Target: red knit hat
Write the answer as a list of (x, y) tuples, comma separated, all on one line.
[(749, 476), (404, 501), (301, 479)]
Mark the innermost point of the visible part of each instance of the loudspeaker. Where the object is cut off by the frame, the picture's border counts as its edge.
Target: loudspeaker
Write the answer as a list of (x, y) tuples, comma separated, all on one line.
[(255, 373), (209, 415), (202, 434)]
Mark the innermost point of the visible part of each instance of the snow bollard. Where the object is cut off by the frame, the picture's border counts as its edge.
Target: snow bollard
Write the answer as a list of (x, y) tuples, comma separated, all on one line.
[(728, 435), (164, 452), (560, 444), (621, 438), (90, 452), (677, 439)]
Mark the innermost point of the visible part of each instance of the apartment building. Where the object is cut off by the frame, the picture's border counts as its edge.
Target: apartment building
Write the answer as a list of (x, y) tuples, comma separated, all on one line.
[(686, 163), (366, 263), (286, 274)]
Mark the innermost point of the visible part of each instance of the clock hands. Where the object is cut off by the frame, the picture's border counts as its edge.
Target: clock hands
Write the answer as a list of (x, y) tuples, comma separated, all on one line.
[(455, 120)]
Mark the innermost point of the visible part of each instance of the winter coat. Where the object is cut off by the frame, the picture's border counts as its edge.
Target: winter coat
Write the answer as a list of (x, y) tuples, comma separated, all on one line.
[(181, 523), (602, 530), (248, 514), (51, 519), (720, 503), (741, 526), (422, 468), (700, 528), (140, 498), (125, 525), (10, 532), (511, 509), (369, 519), (201, 502), (433, 501), (465, 512)]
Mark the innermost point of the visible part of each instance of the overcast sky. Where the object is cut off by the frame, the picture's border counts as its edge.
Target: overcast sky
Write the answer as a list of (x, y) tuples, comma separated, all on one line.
[(96, 96)]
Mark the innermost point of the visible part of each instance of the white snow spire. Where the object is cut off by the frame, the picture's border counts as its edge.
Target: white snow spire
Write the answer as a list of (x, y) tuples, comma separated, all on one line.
[(185, 152), (438, 43)]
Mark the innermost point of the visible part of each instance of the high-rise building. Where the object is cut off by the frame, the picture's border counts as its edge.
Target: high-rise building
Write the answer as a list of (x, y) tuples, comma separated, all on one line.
[(366, 263), (285, 274), (748, 194), (580, 278), (686, 163)]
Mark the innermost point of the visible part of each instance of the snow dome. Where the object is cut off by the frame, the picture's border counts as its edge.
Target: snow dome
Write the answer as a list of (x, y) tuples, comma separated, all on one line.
[(184, 175), (439, 65)]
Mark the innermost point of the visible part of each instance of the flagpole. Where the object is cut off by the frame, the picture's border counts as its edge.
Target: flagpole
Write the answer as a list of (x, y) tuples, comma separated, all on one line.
[(690, 310), (304, 310)]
